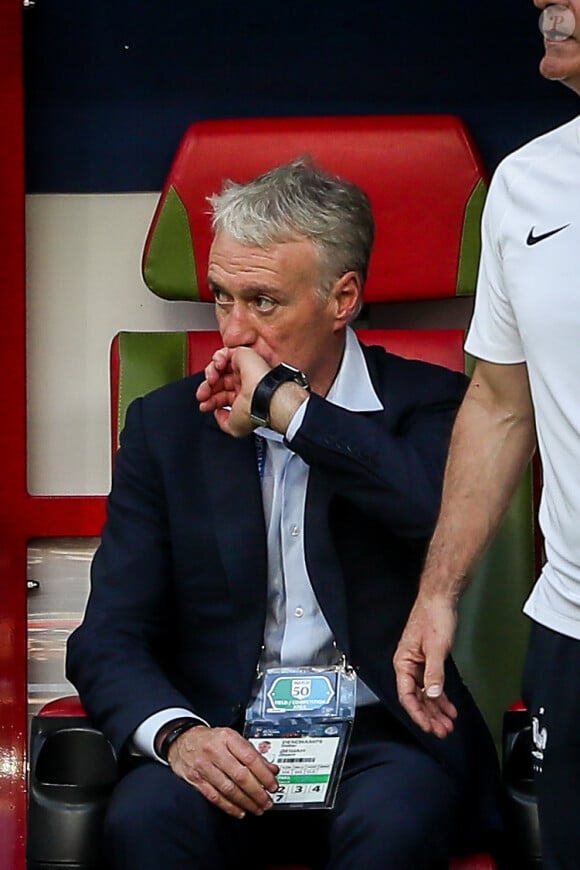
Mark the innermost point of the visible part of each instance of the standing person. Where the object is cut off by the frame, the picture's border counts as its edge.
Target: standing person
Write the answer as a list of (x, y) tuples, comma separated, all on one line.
[(525, 333), (273, 511)]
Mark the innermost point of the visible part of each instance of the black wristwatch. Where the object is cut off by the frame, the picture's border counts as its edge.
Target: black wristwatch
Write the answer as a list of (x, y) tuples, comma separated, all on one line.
[(265, 389)]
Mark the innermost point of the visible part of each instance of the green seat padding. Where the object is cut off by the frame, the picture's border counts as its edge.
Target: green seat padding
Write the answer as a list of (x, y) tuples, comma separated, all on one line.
[(141, 362)]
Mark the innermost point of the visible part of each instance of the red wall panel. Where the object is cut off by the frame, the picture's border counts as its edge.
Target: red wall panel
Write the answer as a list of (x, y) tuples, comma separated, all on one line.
[(21, 516)]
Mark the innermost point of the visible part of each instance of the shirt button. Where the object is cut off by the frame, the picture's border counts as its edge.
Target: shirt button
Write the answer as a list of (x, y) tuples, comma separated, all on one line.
[(299, 611), (294, 531)]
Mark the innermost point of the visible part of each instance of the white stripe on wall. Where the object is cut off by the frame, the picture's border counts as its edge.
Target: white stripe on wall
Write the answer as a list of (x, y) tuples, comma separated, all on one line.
[(84, 285)]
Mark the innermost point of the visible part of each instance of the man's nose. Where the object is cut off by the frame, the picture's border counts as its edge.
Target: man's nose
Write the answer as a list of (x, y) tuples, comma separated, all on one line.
[(237, 328)]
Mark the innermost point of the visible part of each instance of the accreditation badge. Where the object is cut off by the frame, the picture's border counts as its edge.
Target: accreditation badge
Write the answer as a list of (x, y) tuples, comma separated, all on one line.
[(301, 719)]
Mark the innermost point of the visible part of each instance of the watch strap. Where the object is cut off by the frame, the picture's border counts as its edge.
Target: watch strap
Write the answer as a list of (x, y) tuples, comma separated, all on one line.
[(267, 386)]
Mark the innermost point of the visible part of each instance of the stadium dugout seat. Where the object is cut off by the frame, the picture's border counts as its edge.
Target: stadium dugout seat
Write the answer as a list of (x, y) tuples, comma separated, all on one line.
[(427, 186)]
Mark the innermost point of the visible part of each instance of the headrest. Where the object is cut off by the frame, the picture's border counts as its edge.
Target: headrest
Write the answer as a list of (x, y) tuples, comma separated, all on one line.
[(424, 177)]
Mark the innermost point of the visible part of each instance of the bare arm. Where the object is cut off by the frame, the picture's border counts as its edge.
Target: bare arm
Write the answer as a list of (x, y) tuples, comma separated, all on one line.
[(493, 440)]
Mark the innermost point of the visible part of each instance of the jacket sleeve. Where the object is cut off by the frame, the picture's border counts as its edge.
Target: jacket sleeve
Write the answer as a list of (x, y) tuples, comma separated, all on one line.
[(389, 464)]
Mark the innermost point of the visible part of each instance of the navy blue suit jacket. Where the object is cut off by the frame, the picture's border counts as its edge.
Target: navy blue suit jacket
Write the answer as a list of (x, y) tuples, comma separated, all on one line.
[(178, 598)]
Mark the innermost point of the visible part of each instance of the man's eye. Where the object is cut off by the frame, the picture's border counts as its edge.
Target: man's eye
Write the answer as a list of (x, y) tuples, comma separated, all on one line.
[(221, 298), (264, 303)]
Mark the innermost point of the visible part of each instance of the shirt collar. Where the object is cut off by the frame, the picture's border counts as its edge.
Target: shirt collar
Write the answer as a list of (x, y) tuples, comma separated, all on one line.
[(352, 387)]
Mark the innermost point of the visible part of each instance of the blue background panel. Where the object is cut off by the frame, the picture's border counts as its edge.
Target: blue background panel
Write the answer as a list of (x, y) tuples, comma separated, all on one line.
[(112, 85)]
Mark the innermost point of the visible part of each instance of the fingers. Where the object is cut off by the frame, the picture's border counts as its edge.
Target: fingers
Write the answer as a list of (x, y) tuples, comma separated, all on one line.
[(226, 769), (214, 400), (440, 714), (409, 676), (221, 360), (235, 790), (419, 667), (220, 387), (230, 372), (432, 715), (230, 380)]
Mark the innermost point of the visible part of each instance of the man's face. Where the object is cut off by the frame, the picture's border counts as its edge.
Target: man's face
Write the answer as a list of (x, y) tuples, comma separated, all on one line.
[(561, 61), (269, 299)]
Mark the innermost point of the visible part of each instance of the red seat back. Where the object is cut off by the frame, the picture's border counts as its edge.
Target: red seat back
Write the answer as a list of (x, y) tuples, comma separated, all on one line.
[(423, 174)]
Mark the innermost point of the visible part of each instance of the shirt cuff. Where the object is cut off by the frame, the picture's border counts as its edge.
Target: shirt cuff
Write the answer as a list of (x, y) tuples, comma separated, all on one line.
[(296, 421), (143, 740)]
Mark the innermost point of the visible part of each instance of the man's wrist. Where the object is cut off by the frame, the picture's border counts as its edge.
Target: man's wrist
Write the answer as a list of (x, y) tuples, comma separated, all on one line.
[(171, 731), (268, 385), (285, 404)]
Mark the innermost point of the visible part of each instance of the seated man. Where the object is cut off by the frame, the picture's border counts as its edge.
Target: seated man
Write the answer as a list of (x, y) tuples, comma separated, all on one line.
[(272, 511)]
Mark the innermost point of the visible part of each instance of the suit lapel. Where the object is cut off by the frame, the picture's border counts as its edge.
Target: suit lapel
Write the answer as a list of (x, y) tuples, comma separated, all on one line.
[(231, 470), (322, 560)]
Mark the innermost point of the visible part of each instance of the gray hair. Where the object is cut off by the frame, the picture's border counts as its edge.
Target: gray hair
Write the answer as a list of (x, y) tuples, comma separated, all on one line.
[(300, 200)]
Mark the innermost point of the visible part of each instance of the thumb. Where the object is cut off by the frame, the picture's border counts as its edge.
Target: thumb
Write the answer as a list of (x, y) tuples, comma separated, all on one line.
[(437, 647), (434, 675)]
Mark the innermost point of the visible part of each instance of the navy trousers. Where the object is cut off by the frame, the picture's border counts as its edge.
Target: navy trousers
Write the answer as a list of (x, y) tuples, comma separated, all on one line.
[(551, 691), (396, 809)]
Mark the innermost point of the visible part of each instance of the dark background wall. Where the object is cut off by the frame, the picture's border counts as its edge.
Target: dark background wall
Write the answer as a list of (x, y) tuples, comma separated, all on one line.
[(112, 84)]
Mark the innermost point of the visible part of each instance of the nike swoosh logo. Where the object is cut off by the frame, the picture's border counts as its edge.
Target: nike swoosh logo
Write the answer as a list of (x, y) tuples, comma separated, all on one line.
[(533, 240)]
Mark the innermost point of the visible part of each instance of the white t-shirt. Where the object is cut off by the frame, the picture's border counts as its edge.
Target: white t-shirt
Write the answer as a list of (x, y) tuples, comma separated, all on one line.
[(527, 309)]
